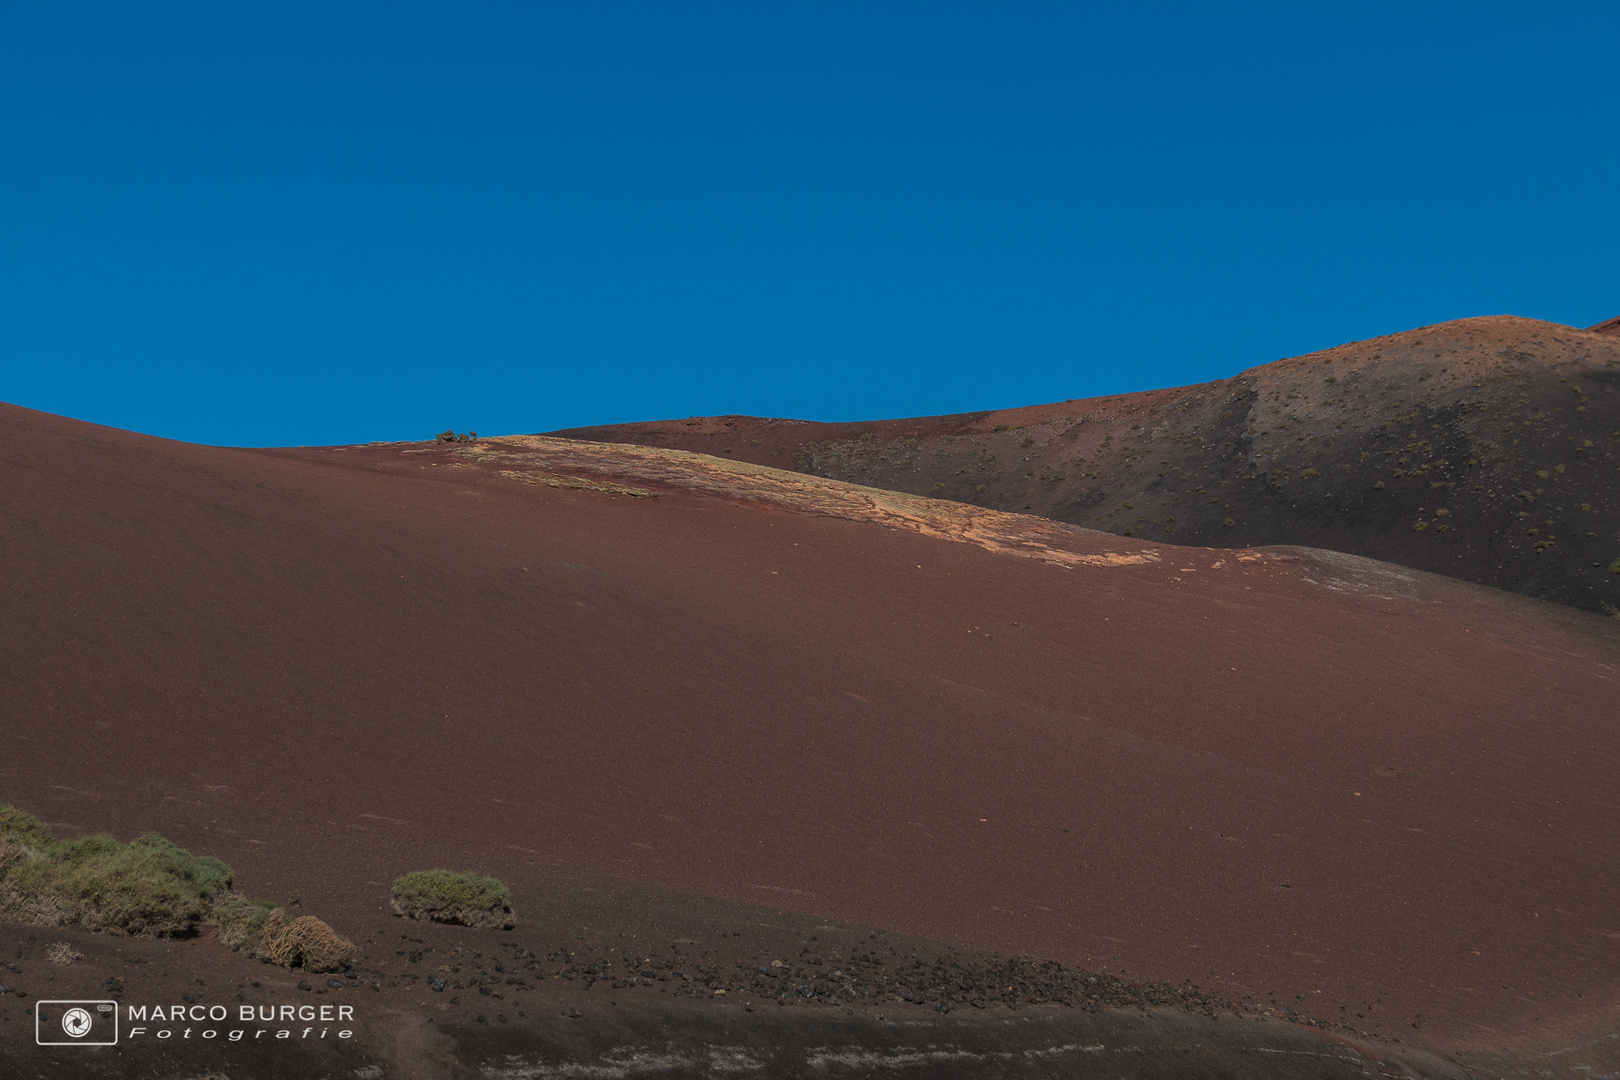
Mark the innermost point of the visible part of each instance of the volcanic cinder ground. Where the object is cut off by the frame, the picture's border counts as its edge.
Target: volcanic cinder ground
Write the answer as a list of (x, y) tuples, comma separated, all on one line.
[(727, 728)]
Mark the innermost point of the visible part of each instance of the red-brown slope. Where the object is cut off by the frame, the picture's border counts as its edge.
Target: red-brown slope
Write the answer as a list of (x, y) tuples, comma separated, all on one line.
[(1387, 795)]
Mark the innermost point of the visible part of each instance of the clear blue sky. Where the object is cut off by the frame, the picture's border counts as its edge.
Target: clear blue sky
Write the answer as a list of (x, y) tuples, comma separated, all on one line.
[(275, 223)]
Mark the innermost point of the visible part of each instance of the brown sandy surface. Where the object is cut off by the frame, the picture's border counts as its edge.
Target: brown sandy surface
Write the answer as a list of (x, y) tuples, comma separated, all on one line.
[(1304, 781), (1486, 449)]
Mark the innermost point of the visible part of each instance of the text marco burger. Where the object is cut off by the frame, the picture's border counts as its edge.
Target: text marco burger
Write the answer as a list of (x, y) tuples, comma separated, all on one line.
[(246, 1014)]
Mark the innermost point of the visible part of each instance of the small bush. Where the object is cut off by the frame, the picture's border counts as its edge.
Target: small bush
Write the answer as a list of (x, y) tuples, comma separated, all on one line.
[(1614, 567), (447, 897)]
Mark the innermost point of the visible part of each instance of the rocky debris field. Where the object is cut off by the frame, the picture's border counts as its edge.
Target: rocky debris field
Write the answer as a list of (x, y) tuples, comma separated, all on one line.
[(875, 975)]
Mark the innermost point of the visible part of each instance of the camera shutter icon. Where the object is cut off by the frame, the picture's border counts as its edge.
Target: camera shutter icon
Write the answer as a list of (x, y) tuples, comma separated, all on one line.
[(76, 1022)]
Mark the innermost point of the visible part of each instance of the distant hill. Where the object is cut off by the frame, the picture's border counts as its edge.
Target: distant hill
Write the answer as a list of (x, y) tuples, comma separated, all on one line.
[(1487, 449)]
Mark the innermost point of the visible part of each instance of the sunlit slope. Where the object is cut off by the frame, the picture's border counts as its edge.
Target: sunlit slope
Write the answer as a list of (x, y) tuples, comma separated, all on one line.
[(1487, 449)]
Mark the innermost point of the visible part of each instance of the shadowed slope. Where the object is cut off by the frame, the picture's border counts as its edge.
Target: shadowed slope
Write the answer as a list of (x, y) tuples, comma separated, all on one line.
[(1288, 775), (1487, 449)]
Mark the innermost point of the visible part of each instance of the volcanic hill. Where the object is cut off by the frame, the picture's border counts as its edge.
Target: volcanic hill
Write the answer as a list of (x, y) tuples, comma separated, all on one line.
[(790, 776), (1486, 449)]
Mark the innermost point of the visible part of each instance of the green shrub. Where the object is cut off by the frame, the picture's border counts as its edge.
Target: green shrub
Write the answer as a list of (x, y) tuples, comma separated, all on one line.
[(448, 897)]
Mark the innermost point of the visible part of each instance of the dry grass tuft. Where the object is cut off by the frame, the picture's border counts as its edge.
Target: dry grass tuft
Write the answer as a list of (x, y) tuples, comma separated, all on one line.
[(307, 941), (63, 954)]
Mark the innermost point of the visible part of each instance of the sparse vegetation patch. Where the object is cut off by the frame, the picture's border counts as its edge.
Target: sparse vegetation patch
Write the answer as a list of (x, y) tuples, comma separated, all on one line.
[(147, 888)]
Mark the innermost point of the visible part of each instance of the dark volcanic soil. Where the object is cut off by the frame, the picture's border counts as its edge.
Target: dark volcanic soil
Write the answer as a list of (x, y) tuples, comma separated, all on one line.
[(1298, 780), (1486, 449)]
